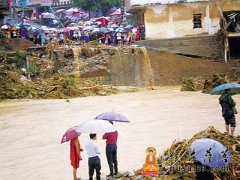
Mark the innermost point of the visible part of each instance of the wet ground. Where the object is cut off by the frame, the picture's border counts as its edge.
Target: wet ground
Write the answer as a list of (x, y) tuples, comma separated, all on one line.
[(30, 131)]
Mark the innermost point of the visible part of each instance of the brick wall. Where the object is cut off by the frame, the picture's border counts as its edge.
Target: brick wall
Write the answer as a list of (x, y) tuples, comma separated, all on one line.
[(202, 46)]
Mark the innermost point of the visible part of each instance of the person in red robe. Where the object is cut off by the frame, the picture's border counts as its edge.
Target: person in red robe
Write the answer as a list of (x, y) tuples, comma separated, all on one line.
[(75, 156)]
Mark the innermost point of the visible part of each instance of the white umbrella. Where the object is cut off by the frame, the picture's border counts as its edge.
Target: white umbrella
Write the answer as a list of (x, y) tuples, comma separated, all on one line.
[(129, 26), (116, 13), (71, 10), (114, 26), (60, 10), (88, 28), (111, 29), (88, 23), (119, 29), (95, 126), (53, 29), (71, 28), (45, 28), (73, 24), (4, 27), (48, 15), (96, 30)]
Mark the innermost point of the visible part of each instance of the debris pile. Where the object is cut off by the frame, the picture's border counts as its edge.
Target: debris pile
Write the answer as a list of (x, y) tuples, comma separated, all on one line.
[(192, 84), (49, 72), (15, 85), (177, 163), (204, 85), (217, 80)]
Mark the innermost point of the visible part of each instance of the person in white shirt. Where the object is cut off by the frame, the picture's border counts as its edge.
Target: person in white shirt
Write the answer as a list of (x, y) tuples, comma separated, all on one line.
[(94, 162)]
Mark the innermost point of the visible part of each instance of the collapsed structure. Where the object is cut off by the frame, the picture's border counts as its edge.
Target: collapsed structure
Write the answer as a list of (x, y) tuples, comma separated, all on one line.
[(202, 20)]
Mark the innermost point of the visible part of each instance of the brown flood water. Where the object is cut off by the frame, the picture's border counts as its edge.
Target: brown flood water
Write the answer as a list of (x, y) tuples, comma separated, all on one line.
[(30, 131)]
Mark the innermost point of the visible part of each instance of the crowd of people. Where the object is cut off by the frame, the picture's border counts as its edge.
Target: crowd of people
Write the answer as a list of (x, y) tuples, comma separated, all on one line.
[(77, 35)]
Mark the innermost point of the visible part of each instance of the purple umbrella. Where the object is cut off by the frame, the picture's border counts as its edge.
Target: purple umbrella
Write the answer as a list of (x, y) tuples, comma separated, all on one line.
[(210, 153), (70, 134), (112, 116)]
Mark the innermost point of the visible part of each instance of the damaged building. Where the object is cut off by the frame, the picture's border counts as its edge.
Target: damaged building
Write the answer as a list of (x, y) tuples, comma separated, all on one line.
[(206, 28), (4, 10)]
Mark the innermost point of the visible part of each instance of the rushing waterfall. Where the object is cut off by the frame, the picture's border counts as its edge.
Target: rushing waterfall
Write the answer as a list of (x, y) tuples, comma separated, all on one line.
[(76, 61), (111, 65), (131, 67)]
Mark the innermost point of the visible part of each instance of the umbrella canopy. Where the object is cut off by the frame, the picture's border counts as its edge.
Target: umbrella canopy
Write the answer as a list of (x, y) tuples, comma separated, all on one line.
[(111, 29), (95, 26), (103, 29), (60, 10), (73, 24), (210, 153), (112, 116), (116, 13), (87, 23), (48, 15), (103, 20), (119, 30), (129, 26), (96, 30), (45, 28), (70, 134), (69, 28), (114, 26), (4, 26), (34, 28), (88, 28), (53, 29), (233, 87), (94, 126), (72, 10)]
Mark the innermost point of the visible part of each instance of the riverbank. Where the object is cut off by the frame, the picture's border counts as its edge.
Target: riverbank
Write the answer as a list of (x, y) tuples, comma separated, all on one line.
[(31, 130)]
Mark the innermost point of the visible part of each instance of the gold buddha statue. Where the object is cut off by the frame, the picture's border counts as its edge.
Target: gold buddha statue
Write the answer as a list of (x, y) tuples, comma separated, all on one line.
[(150, 167)]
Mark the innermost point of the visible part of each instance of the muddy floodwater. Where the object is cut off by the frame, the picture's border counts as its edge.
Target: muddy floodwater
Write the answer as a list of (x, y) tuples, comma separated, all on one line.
[(30, 131)]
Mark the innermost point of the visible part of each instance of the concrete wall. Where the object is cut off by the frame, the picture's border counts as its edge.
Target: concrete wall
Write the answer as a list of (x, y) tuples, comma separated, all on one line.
[(134, 66), (203, 46), (170, 69)]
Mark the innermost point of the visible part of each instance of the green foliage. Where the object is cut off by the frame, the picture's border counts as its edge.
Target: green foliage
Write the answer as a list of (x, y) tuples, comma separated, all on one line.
[(33, 68), (94, 5), (21, 56), (70, 81)]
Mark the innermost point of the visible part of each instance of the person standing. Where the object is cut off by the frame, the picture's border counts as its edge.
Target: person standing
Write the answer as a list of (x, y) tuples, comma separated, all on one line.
[(94, 162), (228, 106), (119, 38), (111, 151), (138, 34), (75, 156)]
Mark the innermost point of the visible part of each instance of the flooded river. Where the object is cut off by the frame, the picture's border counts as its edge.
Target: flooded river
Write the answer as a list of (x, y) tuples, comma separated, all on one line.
[(30, 131)]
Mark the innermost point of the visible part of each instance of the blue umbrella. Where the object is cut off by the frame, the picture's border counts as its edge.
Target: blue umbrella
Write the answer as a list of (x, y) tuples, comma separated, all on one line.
[(112, 116), (103, 29), (210, 153), (129, 26), (114, 26), (233, 87)]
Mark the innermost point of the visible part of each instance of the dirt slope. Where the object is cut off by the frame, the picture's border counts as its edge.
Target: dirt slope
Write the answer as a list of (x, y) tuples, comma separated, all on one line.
[(15, 44), (169, 68)]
